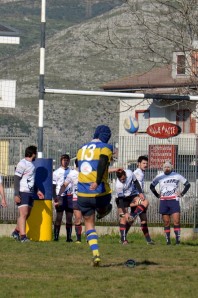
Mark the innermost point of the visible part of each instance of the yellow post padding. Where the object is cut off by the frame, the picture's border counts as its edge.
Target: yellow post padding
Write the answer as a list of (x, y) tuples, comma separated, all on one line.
[(39, 224)]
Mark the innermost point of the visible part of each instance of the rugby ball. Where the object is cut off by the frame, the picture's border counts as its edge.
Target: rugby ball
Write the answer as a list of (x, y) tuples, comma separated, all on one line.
[(131, 124)]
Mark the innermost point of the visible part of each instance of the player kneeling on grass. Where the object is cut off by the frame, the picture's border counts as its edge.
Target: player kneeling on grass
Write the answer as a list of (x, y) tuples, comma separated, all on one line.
[(129, 194), (169, 198)]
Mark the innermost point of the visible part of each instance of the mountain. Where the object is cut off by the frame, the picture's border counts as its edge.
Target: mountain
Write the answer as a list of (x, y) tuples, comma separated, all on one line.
[(25, 16), (80, 56), (63, 115)]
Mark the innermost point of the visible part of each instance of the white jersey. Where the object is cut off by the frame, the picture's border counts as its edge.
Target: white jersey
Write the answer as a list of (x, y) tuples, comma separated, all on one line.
[(59, 177), (127, 188), (26, 170), (168, 184), (1, 181), (72, 179), (139, 174)]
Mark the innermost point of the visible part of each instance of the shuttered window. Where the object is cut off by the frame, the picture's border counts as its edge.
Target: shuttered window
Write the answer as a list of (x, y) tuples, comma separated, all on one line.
[(184, 120), (194, 58), (181, 64)]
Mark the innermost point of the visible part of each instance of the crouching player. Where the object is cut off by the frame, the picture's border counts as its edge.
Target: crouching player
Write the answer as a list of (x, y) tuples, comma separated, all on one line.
[(125, 184)]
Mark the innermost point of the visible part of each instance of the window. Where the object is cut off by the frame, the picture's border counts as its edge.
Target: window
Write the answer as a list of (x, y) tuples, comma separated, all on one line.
[(143, 120), (184, 120), (181, 64)]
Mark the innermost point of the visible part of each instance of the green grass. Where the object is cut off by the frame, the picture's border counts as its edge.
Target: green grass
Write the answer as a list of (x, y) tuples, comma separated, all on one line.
[(60, 269)]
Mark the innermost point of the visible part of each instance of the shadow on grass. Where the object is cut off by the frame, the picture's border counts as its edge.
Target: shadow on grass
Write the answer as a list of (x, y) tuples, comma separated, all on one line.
[(189, 244), (145, 263)]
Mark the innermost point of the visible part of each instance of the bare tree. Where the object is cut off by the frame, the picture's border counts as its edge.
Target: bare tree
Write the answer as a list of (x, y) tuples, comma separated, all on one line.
[(152, 30), (166, 24), (169, 26)]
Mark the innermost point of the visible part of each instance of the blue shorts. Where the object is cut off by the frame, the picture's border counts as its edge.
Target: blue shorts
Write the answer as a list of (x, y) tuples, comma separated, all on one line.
[(88, 205), (65, 204), (27, 199), (169, 207)]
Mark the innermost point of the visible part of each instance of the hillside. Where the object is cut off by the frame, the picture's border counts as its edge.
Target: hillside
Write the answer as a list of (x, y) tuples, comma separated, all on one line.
[(25, 16), (22, 63), (80, 56)]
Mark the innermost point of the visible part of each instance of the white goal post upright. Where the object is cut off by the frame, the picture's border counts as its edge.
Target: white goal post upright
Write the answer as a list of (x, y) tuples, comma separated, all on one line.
[(41, 79)]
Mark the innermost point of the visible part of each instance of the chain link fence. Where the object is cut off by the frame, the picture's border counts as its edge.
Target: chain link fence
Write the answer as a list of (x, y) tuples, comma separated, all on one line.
[(126, 152)]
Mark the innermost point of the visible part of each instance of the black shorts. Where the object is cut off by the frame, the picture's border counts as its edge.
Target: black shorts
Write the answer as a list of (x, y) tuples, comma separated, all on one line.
[(75, 204), (26, 199), (88, 205), (125, 201), (65, 204)]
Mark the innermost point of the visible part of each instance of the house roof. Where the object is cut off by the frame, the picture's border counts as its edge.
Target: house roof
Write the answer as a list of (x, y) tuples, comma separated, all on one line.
[(8, 31), (160, 77)]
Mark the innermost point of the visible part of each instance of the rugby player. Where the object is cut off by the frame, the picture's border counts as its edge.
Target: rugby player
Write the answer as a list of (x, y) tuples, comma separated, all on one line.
[(94, 193), (169, 196)]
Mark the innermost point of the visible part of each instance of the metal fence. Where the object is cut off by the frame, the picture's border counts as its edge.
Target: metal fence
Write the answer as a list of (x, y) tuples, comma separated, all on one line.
[(126, 152)]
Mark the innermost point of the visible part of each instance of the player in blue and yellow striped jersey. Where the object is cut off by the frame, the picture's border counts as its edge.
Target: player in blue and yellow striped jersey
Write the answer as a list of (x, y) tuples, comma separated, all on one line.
[(94, 193)]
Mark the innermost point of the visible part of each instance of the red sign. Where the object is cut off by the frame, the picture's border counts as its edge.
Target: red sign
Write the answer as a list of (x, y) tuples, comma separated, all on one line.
[(158, 154), (163, 130)]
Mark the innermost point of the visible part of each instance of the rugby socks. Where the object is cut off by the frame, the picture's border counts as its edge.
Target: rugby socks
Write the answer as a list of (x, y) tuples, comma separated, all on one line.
[(56, 232), (69, 232), (128, 225), (138, 210), (92, 239), (177, 230), (167, 235), (145, 231), (78, 230), (122, 232)]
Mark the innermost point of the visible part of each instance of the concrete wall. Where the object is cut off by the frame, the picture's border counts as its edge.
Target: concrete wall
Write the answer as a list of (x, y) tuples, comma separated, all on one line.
[(186, 233)]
